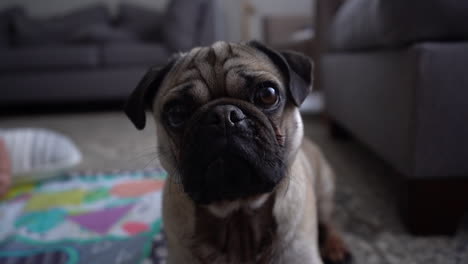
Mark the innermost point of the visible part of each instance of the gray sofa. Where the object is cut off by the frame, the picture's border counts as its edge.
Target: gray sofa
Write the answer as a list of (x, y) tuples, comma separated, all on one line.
[(396, 78), (89, 55)]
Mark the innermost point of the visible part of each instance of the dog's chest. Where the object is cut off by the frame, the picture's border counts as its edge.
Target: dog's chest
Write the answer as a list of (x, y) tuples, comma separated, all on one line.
[(244, 236)]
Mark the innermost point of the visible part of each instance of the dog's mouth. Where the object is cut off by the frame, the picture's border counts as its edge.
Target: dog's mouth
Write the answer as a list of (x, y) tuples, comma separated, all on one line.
[(226, 178), (232, 156)]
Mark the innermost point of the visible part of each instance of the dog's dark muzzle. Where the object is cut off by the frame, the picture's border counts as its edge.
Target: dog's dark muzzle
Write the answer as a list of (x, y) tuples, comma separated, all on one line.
[(228, 157), (225, 117)]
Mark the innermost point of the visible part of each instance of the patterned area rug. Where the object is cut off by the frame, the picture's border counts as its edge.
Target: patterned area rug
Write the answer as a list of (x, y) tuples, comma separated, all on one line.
[(85, 218)]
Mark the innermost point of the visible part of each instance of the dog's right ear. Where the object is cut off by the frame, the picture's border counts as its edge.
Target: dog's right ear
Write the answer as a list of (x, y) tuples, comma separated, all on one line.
[(295, 66), (144, 93)]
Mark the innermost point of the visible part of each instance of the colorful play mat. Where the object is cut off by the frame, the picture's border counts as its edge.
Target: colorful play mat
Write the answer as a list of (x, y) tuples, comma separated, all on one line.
[(84, 218)]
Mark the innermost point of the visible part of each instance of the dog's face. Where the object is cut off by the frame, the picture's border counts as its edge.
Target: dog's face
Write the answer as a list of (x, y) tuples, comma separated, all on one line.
[(227, 117)]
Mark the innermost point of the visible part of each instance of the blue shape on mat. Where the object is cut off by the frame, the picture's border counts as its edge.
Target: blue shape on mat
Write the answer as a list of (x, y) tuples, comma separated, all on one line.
[(41, 222)]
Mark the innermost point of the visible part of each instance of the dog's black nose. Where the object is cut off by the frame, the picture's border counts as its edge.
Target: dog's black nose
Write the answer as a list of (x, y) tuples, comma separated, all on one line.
[(224, 115)]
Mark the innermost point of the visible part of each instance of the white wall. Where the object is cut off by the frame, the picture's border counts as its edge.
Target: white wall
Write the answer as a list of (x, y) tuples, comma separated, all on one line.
[(278, 7), (234, 14), (232, 10)]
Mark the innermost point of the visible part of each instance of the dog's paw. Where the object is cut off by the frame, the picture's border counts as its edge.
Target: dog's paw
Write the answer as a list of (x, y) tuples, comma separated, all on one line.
[(333, 249), (337, 257)]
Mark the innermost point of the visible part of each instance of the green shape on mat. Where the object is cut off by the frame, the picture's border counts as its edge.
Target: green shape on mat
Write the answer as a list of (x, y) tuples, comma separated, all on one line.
[(123, 201), (44, 201), (76, 212), (41, 222), (96, 195)]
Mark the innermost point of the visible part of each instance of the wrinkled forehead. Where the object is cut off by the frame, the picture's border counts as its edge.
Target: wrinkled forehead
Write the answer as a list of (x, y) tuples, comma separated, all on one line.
[(221, 70)]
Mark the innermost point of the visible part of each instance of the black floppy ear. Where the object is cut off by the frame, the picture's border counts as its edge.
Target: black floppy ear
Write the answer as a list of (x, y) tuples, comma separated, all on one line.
[(295, 66), (300, 81), (144, 94)]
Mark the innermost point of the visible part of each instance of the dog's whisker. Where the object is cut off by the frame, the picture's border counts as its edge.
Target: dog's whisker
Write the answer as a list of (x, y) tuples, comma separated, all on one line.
[(152, 156), (145, 155), (148, 147), (150, 162)]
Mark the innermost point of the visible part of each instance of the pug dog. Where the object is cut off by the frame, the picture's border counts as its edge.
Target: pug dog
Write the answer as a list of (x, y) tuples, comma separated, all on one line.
[(244, 185)]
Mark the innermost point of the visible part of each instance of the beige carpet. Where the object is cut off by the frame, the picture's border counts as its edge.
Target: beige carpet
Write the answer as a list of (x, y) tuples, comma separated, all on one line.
[(365, 198)]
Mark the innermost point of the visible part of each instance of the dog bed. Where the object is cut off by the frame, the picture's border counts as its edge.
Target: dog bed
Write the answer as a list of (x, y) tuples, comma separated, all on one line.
[(84, 218)]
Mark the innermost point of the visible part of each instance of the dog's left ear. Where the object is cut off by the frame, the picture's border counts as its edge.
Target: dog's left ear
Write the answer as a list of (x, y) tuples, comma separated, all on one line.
[(144, 94), (295, 66)]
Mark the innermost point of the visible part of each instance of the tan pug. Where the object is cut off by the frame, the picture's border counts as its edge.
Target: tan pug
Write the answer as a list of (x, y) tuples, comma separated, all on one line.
[(244, 186)]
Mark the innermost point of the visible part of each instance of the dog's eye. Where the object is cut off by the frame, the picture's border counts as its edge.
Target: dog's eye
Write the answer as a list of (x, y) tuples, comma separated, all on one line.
[(176, 115), (266, 96)]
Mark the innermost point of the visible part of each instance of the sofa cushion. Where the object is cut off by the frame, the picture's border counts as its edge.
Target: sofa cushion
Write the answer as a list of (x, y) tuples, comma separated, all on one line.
[(6, 20), (144, 23), (57, 30), (102, 33), (47, 58), (140, 54), (364, 24), (182, 20)]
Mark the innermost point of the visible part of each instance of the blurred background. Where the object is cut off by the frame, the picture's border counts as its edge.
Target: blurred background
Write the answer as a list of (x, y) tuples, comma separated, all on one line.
[(98, 49), (389, 104)]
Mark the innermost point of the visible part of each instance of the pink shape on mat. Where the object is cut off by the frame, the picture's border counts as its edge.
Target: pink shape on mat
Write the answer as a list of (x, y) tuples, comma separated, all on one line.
[(134, 228), (137, 188), (101, 221)]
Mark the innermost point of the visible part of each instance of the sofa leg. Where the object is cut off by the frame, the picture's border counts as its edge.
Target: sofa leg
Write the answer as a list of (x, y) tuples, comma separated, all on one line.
[(434, 207), (337, 131)]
